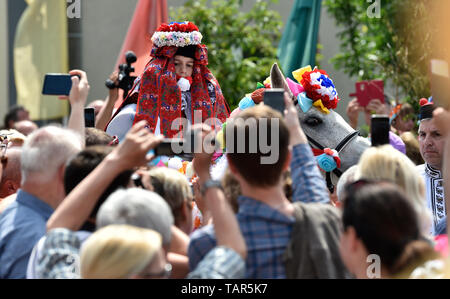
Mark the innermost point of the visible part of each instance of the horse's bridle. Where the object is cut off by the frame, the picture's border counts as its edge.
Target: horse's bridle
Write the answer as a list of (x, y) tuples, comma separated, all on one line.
[(338, 148)]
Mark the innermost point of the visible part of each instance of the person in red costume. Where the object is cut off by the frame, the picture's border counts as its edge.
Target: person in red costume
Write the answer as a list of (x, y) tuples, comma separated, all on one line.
[(176, 83)]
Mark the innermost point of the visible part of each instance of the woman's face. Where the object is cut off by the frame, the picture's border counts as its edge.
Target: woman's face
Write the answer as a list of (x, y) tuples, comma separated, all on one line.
[(184, 66)]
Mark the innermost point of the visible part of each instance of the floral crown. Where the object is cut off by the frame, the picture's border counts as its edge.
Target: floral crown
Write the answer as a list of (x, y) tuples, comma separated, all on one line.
[(177, 34)]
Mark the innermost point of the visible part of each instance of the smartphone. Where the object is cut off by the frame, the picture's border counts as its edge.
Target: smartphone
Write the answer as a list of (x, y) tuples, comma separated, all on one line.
[(175, 147), (274, 98), (367, 91), (380, 129), (440, 83), (89, 117), (57, 84)]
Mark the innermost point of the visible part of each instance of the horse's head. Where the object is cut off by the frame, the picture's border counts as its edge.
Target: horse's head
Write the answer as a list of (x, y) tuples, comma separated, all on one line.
[(328, 130)]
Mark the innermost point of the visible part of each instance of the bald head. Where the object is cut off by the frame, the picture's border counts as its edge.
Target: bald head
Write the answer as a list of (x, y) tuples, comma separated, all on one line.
[(11, 176), (26, 127)]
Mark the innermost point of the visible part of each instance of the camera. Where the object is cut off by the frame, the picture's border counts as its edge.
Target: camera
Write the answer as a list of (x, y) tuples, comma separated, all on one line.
[(125, 80)]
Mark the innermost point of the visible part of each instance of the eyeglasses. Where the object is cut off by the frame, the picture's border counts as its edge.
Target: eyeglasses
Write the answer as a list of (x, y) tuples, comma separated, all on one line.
[(165, 273)]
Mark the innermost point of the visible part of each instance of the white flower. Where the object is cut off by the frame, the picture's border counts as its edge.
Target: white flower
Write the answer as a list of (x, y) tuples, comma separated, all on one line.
[(184, 84), (175, 163)]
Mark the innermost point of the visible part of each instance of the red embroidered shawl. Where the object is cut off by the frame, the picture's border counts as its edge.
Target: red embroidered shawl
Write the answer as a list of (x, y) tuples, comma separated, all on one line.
[(159, 94)]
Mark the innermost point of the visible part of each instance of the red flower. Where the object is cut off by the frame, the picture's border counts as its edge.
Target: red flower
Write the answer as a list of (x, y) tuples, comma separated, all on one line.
[(313, 94), (192, 27), (164, 27)]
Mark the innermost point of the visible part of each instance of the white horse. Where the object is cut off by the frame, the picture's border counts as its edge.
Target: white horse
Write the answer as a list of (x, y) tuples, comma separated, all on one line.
[(326, 131)]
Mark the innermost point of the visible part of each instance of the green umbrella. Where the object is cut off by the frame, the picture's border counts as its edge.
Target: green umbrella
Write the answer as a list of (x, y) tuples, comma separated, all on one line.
[(299, 41)]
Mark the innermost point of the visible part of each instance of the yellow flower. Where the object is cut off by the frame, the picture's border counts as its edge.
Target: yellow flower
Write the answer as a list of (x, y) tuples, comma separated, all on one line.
[(319, 105), (298, 73)]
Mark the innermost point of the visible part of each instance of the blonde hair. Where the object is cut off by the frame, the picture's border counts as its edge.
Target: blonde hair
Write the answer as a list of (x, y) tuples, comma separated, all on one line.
[(118, 251), (173, 187), (386, 163)]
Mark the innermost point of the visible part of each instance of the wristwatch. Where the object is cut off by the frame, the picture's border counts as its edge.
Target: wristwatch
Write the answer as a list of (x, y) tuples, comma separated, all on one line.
[(211, 184)]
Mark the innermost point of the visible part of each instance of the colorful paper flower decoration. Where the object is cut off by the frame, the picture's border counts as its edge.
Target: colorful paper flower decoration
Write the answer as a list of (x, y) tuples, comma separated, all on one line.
[(328, 159), (316, 89), (177, 34)]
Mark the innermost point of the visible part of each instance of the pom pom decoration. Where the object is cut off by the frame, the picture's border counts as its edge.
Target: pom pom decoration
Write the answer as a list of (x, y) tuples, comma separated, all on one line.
[(316, 89), (328, 159), (258, 95), (424, 101), (326, 163), (184, 84), (245, 103), (319, 87)]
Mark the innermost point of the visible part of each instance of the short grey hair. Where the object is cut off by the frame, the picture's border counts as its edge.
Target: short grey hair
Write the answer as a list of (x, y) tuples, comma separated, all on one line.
[(348, 177), (137, 207), (47, 149)]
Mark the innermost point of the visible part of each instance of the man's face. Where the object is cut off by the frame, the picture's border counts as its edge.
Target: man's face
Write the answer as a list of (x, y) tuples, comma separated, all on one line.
[(23, 115), (184, 66), (431, 143)]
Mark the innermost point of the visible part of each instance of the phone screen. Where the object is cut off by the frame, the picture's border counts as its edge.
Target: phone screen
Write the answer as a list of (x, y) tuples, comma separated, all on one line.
[(172, 147), (274, 98), (89, 117), (57, 84), (380, 130), (367, 91), (440, 83)]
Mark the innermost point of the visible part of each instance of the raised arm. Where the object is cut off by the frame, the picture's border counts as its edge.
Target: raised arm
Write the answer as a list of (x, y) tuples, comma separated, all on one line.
[(106, 112), (77, 98), (77, 206), (307, 182), (226, 227)]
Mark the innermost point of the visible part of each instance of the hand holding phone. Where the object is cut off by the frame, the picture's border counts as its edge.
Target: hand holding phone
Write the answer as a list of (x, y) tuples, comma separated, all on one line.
[(379, 129), (89, 117), (274, 98), (57, 84), (367, 91)]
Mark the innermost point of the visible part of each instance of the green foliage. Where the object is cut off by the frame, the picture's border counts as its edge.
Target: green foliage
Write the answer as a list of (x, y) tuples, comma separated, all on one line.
[(395, 47), (241, 45)]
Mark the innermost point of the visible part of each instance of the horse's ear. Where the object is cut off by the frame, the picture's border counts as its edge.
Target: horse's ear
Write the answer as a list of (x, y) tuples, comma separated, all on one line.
[(277, 79)]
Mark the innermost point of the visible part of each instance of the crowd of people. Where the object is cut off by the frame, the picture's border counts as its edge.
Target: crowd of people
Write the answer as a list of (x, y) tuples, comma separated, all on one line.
[(80, 202)]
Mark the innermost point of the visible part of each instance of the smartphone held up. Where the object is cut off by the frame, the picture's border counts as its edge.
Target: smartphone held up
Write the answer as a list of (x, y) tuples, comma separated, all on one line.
[(379, 129), (57, 84), (274, 98)]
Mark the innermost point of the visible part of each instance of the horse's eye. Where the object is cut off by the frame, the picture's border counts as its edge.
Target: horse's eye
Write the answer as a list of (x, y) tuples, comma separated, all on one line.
[(313, 121)]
